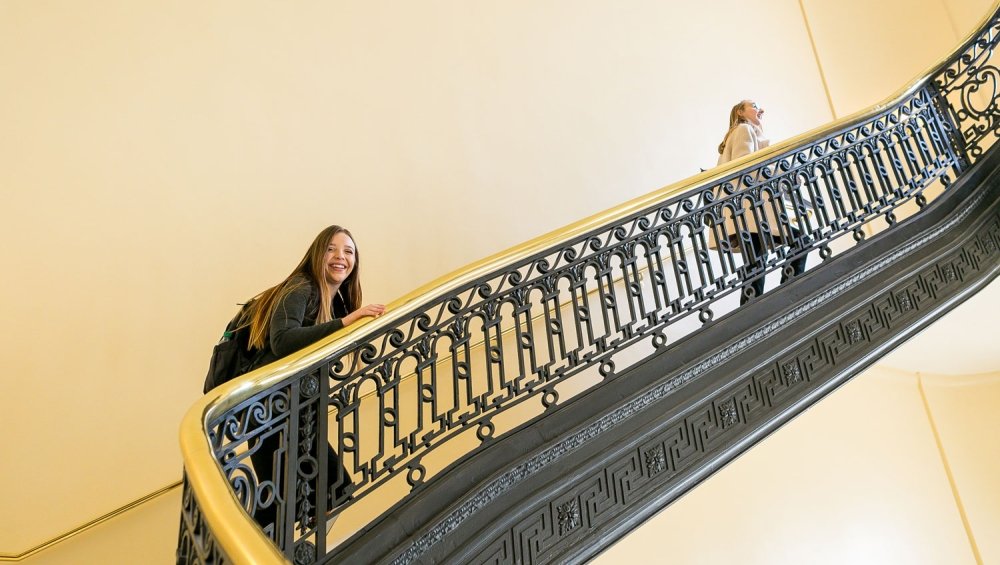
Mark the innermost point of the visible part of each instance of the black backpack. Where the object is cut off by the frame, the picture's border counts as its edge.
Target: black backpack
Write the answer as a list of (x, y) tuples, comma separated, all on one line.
[(232, 356)]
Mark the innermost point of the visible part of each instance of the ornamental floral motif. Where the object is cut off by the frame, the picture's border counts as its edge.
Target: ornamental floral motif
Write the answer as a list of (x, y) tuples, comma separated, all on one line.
[(949, 273), (905, 303), (656, 460), (727, 413), (310, 386), (305, 553), (792, 372), (569, 516), (854, 334)]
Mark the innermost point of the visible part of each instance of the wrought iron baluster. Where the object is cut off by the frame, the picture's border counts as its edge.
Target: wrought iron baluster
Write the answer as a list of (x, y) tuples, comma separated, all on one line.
[(428, 421), (784, 208), (724, 252), (582, 315), (461, 360), (917, 131), (877, 158), (346, 401), (892, 149), (555, 337), (656, 270), (682, 277), (287, 477), (633, 287), (395, 412), (607, 299), (703, 259), (843, 181), (524, 338), (867, 165)]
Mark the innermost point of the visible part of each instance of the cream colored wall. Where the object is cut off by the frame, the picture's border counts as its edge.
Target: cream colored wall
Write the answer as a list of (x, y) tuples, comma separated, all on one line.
[(867, 50), (163, 160), (145, 535), (965, 15), (965, 415), (856, 479)]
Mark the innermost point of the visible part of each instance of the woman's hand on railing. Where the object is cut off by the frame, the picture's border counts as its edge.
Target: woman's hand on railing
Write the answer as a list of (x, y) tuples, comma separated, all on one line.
[(371, 310)]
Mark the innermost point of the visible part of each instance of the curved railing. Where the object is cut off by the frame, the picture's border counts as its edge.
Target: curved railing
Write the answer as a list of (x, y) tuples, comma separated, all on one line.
[(506, 341)]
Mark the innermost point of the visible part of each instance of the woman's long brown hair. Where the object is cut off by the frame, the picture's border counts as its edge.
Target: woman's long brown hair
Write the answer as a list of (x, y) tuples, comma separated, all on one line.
[(735, 119), (311, 269)]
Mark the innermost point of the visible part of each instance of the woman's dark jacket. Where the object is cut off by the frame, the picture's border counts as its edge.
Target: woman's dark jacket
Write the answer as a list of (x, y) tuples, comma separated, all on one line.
[(293, 324)]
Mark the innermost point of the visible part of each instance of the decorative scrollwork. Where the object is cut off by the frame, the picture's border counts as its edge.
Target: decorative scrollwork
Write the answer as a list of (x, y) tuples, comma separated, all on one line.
[(970, 84)]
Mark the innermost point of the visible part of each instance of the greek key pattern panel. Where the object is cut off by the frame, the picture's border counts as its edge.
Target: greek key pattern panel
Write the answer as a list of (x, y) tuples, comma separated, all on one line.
[(573, 514)]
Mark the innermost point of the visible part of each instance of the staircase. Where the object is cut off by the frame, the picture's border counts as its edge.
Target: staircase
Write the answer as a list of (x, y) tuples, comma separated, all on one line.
[(538, 405)]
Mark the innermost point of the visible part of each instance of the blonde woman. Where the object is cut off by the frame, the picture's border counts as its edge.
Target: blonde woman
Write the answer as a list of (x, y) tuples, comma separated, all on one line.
[(745, 136)]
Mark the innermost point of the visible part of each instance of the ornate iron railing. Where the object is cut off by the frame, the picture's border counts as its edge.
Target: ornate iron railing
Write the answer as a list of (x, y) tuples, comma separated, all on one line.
[(458, 364)]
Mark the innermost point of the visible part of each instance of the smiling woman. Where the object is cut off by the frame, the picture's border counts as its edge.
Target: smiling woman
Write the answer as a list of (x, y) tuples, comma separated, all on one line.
[(288, 317), (319, 297)]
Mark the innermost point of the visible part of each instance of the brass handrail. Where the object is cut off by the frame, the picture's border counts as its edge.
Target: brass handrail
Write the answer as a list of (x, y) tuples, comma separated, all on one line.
[(240, 539)]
